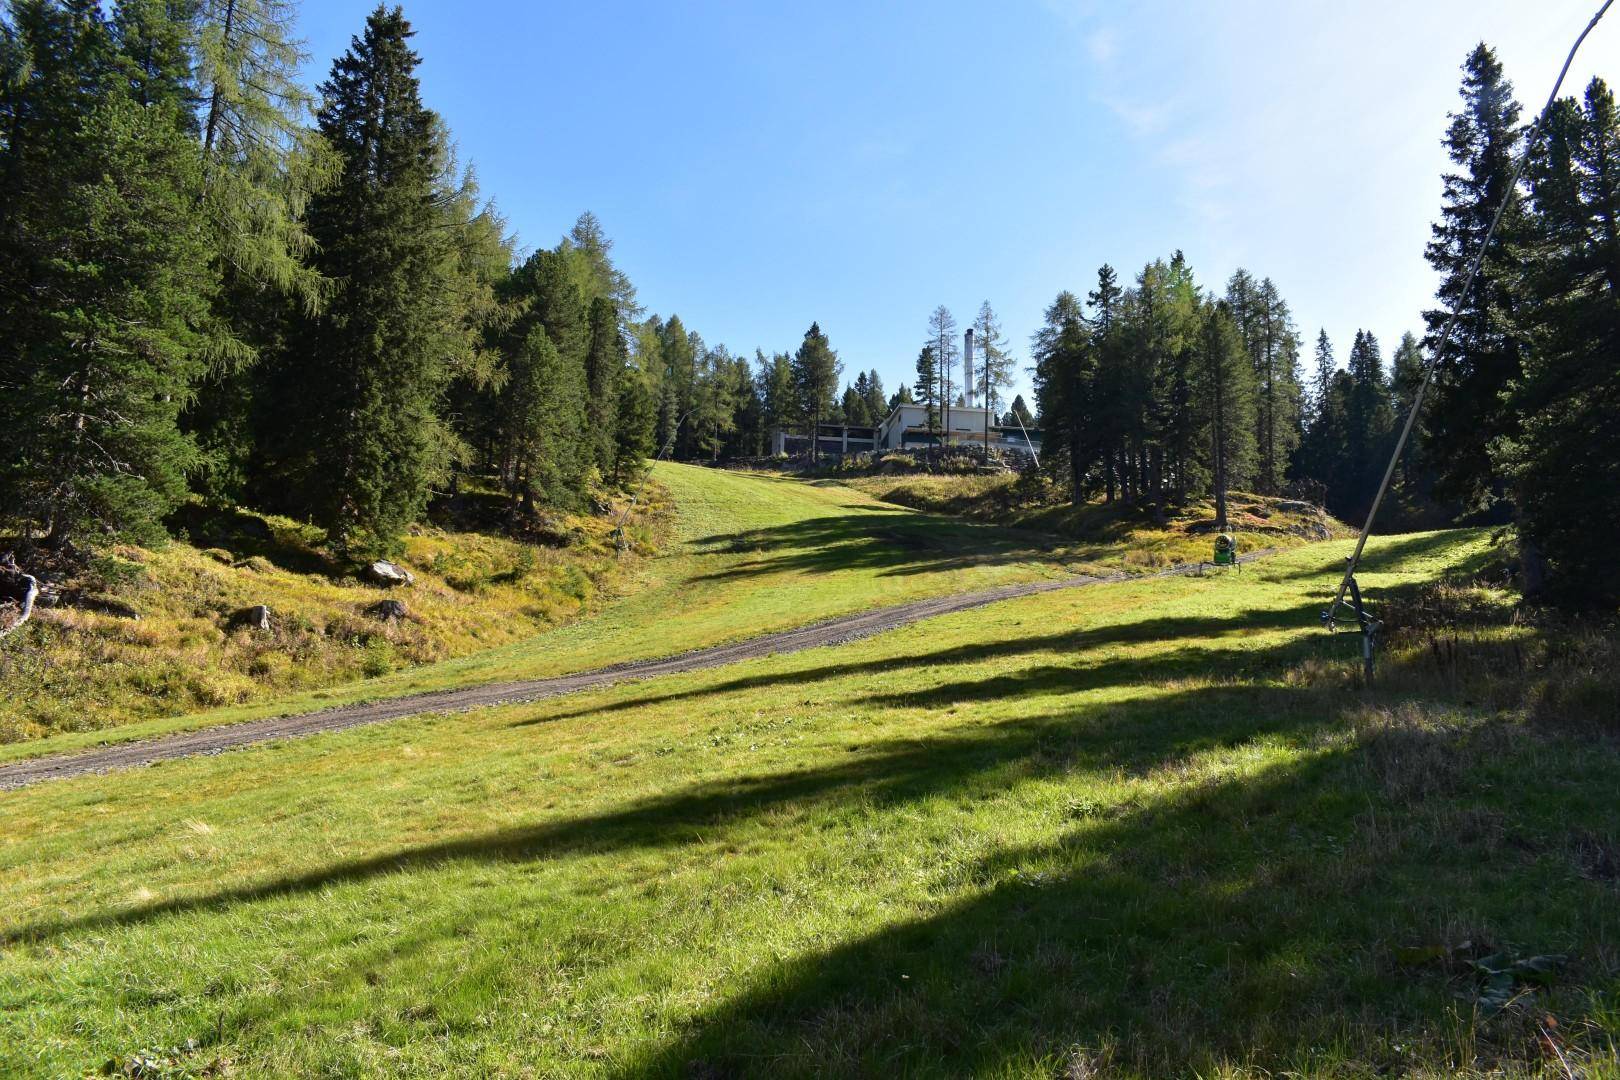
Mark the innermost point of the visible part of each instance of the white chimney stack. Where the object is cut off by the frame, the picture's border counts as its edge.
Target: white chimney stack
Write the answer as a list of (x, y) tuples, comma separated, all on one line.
[(967, 367)]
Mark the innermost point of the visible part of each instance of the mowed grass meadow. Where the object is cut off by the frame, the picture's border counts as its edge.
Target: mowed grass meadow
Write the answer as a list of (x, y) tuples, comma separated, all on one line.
[(1153, 829)]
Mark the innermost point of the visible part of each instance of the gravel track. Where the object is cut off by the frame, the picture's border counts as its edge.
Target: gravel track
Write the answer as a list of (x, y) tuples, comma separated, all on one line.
[(834, 631)]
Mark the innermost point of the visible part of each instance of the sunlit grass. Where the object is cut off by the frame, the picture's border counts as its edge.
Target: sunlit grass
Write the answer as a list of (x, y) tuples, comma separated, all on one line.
[(1146, 829)]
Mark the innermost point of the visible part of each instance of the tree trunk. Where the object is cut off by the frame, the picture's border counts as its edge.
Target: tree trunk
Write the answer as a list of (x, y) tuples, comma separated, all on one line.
[(17, 588)]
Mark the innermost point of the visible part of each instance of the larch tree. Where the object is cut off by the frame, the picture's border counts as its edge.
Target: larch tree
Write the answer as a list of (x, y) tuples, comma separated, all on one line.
[(589, 252), (995, 365), (942, 338), (262, 158)]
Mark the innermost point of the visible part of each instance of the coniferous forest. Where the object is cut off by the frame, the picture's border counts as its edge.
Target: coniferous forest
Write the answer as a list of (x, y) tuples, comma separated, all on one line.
[(219, 284), (216, 283), (1163, 388)]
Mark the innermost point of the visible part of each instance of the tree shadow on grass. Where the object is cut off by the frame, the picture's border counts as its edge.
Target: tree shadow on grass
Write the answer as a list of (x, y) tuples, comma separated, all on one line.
[(1250, 919), (1383, 557), (894, 544), (883, 772), (1247, 911), (1226, 662)]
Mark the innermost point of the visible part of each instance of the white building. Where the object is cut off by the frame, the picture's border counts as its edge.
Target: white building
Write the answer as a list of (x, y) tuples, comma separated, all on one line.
[(906, 427)]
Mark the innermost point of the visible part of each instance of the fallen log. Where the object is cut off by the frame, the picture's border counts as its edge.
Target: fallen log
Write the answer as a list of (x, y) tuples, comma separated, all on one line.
[(16, 588)]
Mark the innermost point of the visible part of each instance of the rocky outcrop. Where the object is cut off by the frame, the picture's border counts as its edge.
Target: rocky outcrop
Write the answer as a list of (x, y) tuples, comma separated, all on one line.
[(392, 575), (257, 618), (388, 611)]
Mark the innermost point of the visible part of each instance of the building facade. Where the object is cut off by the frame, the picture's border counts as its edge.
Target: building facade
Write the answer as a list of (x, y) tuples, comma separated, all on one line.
[(906, 428)]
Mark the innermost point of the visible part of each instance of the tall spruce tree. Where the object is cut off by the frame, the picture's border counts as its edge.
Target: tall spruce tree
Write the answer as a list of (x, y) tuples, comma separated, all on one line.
[(815, 376), (853, 407), (1065, 383), (1114, 381), (1484, 358), (105, 272), (1226, 383), (877, 405), (1274, 353), (634, 439), (366, 377), (780, 398), (927, 392), (1322, 373), (1565, 444), (1369, 418), (547, 446)]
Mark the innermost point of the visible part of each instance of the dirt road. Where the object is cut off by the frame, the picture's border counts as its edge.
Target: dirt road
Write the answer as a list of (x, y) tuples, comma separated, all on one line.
[(830, 632)]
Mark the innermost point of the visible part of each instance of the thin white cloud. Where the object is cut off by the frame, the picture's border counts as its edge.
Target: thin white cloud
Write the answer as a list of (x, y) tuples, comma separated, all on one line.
[(1101, 45), (1141, 118)]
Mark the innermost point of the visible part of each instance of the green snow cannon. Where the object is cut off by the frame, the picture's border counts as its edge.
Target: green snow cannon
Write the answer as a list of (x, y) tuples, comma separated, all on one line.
[(1226, 552)]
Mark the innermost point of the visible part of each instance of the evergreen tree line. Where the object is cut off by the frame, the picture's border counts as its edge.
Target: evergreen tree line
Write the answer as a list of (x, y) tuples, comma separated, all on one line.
[(1162, 390), (1521, 424), (217, 283)]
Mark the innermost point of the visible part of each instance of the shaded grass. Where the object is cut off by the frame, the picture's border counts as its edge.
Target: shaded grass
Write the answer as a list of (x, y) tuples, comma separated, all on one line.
[(1135, 830)]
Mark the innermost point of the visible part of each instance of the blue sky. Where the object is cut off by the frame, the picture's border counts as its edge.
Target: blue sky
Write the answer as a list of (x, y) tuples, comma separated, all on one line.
[(762, 165)]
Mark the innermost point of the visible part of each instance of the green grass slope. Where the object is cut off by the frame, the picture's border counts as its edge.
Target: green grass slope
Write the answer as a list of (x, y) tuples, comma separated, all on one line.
[(1146, 829), (751, 554)]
